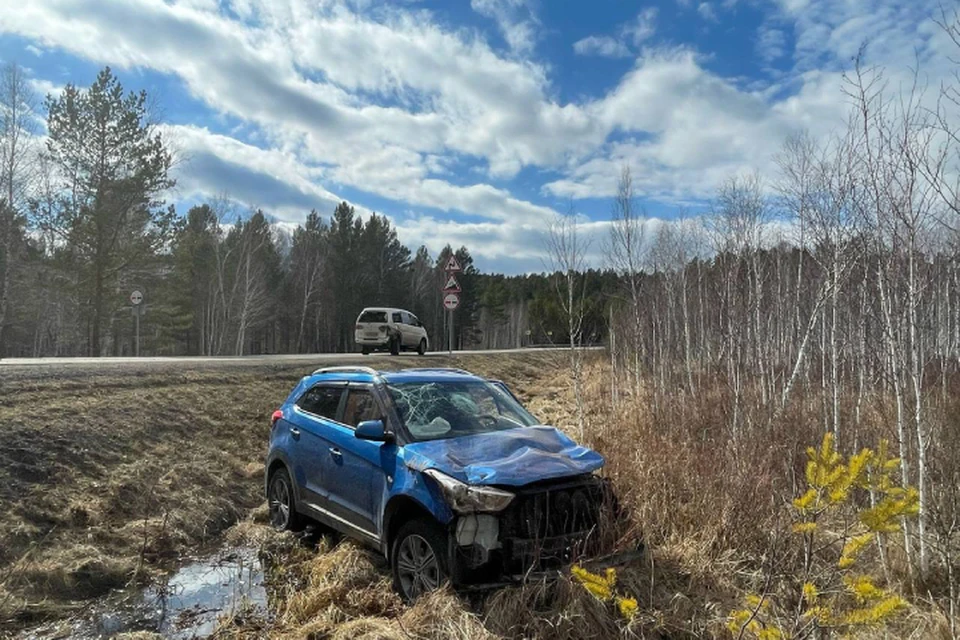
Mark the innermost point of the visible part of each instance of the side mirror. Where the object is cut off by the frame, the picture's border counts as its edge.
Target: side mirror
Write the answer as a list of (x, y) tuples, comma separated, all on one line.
[(373, 430)]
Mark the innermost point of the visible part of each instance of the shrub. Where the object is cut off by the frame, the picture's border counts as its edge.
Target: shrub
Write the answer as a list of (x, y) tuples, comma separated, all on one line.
[(850, 505)]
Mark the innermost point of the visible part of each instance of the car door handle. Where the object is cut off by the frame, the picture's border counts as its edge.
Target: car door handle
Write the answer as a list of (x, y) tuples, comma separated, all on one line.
[(336, 452), (295, 433)]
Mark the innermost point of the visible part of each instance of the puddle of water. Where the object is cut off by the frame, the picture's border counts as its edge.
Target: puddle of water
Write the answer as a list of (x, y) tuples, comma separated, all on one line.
[(192, 600), (186, 605)]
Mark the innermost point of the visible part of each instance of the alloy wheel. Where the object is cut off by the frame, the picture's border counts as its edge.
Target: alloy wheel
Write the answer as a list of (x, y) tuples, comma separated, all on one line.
[(417, 567), (280, 504)]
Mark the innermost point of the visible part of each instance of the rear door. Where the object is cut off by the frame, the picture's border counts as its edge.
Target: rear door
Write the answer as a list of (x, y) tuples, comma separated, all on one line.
[(314, 414), (354, 470), (371, 324)]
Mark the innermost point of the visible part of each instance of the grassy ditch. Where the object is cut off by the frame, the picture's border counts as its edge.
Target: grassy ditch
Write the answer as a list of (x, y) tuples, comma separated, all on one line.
[(107, 478)]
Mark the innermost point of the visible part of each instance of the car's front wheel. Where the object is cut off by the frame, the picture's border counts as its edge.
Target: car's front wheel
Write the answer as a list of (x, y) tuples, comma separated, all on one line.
[(418, 559), (422, 349), (283, 511)]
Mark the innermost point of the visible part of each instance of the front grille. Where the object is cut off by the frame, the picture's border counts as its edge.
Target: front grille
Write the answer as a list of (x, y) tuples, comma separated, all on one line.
[(555, 512), (550, 523)]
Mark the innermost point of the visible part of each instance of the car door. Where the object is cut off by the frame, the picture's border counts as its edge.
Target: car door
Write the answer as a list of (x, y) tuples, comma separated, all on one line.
[(314, 414), (416, 328), (354, 470), (399, 323), (409, 331)]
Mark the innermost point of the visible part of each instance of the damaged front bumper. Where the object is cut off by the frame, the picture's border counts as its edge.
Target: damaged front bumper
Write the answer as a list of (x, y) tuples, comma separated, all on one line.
[(547, 527)]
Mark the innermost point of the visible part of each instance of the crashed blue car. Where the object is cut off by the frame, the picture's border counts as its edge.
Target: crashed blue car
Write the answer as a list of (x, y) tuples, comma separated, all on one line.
[(442, 471)]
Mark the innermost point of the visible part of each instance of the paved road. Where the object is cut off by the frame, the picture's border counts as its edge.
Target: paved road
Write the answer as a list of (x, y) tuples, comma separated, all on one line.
[(45, 366)]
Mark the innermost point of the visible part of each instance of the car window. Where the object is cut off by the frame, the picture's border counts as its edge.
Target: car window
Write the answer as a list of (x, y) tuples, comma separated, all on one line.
[(414, 321), (321, 401), (373, 316), (432, 410), (397, 318), (360, 406)]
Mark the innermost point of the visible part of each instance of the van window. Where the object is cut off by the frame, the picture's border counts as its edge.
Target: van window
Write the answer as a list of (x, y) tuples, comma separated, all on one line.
[(373, 317), (397, 318)]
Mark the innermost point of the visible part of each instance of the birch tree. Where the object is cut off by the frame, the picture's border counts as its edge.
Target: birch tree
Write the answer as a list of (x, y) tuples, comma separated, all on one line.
[(566, 256), (17, 130)]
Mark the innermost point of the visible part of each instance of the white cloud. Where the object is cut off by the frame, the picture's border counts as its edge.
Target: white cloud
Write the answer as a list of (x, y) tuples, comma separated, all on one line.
[(389, 102), (644, 26), (706, 11), (515, 20), (771, 43), (604, 46), (42, 87), (635, 32), (210, 164)]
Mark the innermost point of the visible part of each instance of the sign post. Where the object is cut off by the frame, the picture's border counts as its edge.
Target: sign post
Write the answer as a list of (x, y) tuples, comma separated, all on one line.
[(136, 299), (451, 294)]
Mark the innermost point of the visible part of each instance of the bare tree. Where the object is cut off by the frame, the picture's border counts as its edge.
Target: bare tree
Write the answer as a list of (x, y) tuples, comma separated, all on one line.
[(626, 252), (566, 251), (17, 129)]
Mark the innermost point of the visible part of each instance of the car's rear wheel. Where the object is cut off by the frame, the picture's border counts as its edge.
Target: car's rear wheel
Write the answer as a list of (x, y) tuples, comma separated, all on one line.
[(418, 559), (395, 346), (280, 500), (365, 351), (422, 349)]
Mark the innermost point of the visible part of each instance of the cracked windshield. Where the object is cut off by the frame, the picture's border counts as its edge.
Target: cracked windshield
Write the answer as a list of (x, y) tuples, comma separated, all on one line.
[(435, 410)]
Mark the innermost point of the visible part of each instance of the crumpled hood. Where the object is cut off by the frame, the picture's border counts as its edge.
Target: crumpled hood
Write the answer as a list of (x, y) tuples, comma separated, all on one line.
[(513, 457)]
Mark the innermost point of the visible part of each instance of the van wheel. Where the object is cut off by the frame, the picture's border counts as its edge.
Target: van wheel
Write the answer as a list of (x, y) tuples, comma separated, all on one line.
[(280, 500), (418, 559), (395, 346), (422, 349), (365, 351)]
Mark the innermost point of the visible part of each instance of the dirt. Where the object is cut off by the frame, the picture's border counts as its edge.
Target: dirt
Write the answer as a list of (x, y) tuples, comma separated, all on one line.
[(111, 477)]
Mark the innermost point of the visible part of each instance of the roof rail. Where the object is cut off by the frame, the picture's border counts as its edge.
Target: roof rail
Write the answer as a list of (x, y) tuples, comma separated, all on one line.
[(347, 369), (451, 369)]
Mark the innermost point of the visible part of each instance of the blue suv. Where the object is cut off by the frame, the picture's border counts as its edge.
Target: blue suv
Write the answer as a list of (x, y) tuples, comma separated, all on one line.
[(442, 471)]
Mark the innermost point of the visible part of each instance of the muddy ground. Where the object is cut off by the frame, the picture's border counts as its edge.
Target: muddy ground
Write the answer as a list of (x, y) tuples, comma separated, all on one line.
[(110, 478)]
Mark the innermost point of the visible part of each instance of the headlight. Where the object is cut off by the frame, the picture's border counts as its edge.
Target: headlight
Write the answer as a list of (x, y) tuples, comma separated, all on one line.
[(465, 498)]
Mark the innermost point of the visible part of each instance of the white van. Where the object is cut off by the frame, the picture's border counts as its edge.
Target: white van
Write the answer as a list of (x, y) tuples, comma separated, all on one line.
[(385, 328)]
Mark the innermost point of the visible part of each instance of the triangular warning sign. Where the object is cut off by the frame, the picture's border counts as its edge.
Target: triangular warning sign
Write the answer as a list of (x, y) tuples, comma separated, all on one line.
[(452, 285), (452, 264)]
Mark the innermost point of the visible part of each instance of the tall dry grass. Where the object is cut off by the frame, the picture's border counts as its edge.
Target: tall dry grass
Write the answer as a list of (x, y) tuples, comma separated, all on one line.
[(709, 505)]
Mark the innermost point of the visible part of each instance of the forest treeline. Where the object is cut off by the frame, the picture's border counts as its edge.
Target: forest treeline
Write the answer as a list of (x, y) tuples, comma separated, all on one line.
[(83, 224)]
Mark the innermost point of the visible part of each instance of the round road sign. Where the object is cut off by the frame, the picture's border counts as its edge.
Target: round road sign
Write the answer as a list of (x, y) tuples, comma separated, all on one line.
[(451, 301), (136, 297)]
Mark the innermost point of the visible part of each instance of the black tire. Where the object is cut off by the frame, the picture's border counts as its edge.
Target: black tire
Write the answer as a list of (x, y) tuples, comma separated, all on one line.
[(422, 349), (395, 346), (365, 351), (418, 558), (282, 503)]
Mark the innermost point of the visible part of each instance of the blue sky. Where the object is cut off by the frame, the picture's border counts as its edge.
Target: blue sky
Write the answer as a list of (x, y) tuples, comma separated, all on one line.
[(473, 122)]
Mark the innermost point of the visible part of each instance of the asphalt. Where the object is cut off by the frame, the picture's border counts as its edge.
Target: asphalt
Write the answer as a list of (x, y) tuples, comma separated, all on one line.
[(35, 366)]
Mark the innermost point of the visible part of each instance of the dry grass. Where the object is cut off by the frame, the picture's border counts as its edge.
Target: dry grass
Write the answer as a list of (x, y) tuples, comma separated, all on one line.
[(188, 466), (107, 478)]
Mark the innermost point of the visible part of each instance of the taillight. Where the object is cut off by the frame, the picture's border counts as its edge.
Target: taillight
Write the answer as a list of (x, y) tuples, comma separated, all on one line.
[(276, 416), (359, 327), (383, 328)]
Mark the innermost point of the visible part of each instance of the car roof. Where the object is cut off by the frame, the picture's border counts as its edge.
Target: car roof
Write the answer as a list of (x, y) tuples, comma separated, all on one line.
[(365, 309), (366, 374)]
